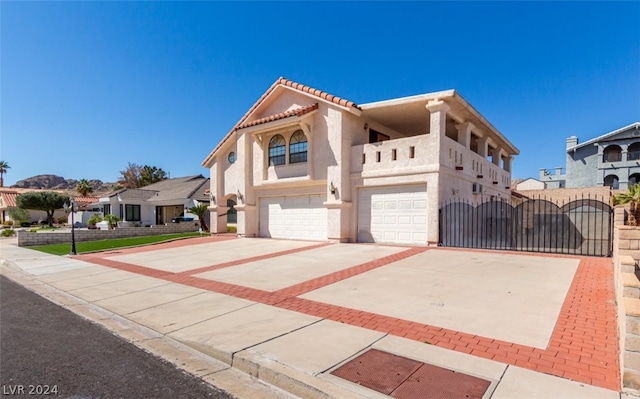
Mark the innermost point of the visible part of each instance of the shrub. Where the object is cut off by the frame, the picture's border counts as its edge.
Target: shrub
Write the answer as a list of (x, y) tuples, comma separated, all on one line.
[(8, 233), (8, 223), (232, 229), (62, 219), (95, 219), (112, 220), (25, 224)]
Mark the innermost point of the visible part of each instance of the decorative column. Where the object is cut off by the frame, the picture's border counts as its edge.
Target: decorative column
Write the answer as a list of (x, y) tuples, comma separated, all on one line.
[(464, 134), (437, 131), (496, 153)]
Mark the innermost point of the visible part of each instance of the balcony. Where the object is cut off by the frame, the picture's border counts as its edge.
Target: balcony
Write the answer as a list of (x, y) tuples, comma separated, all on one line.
[(418, 154), (394, 157)]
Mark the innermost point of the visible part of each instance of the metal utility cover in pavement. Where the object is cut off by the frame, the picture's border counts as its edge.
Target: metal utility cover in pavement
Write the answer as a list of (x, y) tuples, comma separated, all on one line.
[(402, 378)]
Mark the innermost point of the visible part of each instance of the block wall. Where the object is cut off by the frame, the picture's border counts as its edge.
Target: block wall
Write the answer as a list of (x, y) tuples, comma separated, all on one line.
[(27, 238)]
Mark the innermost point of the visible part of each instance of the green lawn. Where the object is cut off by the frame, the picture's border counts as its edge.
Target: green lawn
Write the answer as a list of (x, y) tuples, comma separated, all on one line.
[(93, 246)]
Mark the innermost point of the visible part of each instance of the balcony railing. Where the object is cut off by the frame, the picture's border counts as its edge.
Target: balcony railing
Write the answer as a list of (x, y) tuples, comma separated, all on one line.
[(612, 157)]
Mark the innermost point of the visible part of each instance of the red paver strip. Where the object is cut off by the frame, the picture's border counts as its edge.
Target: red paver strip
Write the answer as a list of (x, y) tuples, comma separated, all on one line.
[(322, 281), (252, 259), (237, 291), (127, 267)]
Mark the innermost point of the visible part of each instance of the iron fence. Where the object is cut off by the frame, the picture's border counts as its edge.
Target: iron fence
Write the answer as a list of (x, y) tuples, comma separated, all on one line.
[(580, 227)]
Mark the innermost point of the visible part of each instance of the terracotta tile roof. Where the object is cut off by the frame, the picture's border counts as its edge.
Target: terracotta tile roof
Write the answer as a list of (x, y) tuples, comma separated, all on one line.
[(281, 82), (9, 199), (282, 115), (319, 93), (84, 201)]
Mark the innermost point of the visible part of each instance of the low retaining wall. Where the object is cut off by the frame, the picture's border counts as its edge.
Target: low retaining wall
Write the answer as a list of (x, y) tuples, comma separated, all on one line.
[(27, 238), (626, 253)]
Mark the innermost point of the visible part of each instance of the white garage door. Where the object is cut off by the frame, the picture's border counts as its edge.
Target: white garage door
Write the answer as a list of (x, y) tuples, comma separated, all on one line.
[(395, 215), (298, 218)]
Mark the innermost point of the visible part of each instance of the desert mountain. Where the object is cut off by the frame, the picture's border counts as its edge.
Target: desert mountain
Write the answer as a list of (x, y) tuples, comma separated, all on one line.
[(53, 182)]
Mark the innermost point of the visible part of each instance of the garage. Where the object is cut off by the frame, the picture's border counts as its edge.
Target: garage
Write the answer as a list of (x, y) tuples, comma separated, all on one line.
[(297, 217), (393, 215)]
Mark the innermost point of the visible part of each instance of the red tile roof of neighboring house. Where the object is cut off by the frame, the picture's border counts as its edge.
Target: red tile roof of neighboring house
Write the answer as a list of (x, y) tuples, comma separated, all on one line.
[(9, 199), (282, 82), (282, 115), (84, 201)]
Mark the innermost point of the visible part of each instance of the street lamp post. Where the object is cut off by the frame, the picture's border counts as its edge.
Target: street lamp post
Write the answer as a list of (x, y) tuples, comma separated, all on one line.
[(72, 208)]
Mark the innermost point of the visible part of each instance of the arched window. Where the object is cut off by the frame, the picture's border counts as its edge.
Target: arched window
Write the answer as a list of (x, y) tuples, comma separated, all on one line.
[(633, 153), (277, 150), (611, 181), (298, 147), (634, 179), (613, 153)]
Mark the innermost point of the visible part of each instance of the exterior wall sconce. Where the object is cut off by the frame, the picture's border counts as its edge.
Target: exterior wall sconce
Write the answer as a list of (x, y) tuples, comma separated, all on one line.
[(366, 126), (212, 198), (239, 196), (332, 188)]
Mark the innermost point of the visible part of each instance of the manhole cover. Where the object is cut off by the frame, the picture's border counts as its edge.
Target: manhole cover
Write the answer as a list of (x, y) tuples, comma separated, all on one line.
[(403, 378)]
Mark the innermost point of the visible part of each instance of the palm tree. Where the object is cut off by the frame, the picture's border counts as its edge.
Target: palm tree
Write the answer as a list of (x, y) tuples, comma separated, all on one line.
[(631, 197), (200, 210), (4, 165), (84, 187)]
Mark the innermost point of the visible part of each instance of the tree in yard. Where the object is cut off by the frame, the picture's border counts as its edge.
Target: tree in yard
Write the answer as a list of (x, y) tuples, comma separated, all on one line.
[(135, 176), (130, 176), (18, 215), (4, 165), (84, 187), (151, 174), (47, 201), (200, 210), (631, 197)]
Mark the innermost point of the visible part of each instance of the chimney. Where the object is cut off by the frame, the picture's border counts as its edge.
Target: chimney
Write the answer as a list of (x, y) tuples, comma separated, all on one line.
[(572, 141)]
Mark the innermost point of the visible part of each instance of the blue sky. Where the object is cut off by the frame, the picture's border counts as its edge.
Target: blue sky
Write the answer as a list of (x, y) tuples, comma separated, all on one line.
[(87, 87)]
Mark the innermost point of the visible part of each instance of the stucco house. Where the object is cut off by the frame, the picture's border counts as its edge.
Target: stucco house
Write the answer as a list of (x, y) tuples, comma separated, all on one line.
[(305, 164), (612, 159), (158, 203)]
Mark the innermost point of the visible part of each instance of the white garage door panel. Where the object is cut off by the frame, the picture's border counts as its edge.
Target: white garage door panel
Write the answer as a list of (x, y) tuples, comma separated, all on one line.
[(302, 218), (393, 214)]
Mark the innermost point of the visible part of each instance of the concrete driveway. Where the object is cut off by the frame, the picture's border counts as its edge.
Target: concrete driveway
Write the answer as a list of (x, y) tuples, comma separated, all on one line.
[(303, 308)]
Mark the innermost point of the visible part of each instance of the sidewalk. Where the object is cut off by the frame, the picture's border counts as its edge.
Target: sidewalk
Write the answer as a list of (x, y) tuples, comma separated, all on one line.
[(307, 317)]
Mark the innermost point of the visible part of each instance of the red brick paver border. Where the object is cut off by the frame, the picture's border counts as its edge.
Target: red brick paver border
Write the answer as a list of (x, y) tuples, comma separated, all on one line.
[(583, 346)]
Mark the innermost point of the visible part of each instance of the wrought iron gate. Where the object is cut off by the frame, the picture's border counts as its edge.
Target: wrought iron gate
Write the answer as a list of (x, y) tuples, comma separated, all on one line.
[(579, 227)]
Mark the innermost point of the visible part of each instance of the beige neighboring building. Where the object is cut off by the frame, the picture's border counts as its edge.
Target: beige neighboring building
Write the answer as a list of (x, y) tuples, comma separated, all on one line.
[(305, 164), (531, 184)]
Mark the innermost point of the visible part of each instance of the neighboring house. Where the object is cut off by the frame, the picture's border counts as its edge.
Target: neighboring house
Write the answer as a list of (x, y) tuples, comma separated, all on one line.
[(157, 203), (305, 164), (612, 159), (8, 200), (531, 184)]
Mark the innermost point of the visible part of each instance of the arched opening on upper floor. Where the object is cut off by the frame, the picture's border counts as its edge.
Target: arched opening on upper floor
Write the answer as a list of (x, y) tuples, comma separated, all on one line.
[(634, 179), (612, 153), (633, 153)]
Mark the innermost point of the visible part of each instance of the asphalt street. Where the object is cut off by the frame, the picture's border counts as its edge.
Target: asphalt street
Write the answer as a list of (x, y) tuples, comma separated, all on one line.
[(48, 351)]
